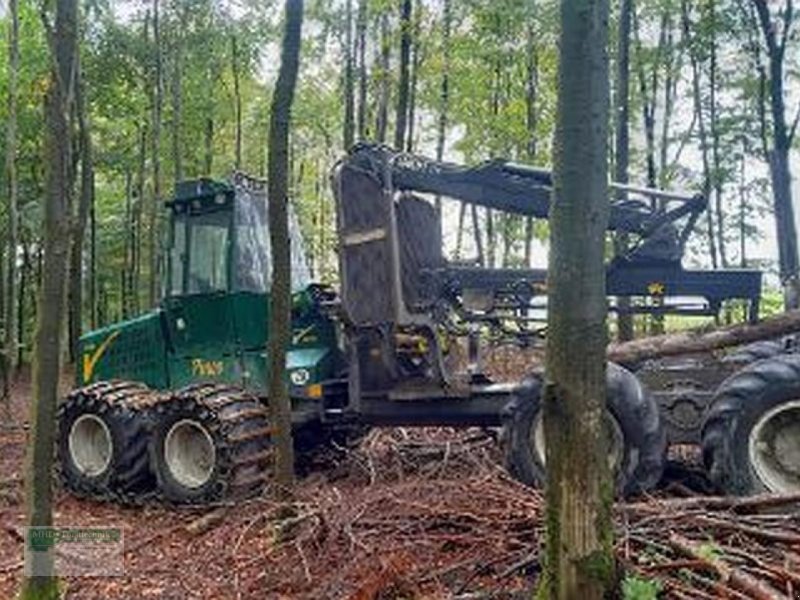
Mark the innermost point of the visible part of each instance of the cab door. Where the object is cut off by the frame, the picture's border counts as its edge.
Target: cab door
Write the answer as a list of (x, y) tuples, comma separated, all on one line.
[(198, 306)]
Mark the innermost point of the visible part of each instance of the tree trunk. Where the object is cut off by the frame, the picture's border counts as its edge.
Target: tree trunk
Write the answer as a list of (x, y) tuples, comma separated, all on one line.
[(402, 88), (237, 96), (622, 148), (138, 208), (531, 117), (280, 296), (778, 155), (158, 91), (703, 340), (78, 232), (10, 300), (349, 91), (384, 80), (47, 356), (579, 548), (701, 127), (416, 64), (714, 128), (648, 102), (361, 43), (444, 105), (177, 102)]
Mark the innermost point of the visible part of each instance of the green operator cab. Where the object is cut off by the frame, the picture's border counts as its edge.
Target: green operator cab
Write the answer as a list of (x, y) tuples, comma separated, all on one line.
[(212, 322)]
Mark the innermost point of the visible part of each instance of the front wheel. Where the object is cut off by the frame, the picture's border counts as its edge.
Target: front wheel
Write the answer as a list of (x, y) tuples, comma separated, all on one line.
[(751, 435), (636, 437)]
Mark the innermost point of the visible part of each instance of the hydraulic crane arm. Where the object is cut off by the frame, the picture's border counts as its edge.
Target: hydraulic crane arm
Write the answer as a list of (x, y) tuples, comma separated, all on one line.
[(520, 189)]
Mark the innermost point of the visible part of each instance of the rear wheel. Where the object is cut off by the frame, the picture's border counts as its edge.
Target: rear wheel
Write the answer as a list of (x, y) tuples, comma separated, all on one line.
[(102, 441), (751, 436), (636, 438), (756, 351), (210, 442)]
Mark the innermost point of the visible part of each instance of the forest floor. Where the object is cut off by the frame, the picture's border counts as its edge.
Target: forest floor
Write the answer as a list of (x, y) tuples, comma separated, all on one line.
[(408, 513)]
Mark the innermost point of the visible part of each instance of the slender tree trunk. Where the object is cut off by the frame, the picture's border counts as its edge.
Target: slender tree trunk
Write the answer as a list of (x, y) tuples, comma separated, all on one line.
[(444, 105), (416, 64), (579, 548), (10, 300), (237, 97), (361, 50), (778, 155), (23, 285), (93, 262), (649, 95), (476, 231), (41, 582), (701, 127), (130, 240), (402, 88), (622, 148), (154, 221), (280, 296), (384, 80), (714, 127), (177, 102), (79, 230), (208, 162), (531, 117), (349, 88), (138, 209)]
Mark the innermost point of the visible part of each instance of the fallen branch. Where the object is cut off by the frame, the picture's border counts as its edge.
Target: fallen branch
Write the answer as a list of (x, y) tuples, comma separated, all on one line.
[(736, 578)]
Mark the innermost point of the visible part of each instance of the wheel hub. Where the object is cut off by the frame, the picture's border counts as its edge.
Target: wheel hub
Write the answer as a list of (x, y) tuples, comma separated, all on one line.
[(90, 446), (189, 453), (774, 448)]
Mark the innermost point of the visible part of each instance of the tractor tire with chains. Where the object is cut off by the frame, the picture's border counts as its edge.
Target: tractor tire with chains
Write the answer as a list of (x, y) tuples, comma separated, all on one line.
[(738, 404), (118, 404), (756, 351), (238, 425), (636, 413)]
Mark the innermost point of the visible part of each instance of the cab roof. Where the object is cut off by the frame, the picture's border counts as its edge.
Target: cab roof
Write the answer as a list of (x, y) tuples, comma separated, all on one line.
[(201, 195)]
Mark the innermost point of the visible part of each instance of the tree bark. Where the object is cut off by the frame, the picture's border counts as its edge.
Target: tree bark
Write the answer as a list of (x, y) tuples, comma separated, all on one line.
[(579, 546), (444, 105), (75, 319), (10, 300), (778, 155), (401, 114), (622, 148), (701, 126), (349, 90), (384, 81), (47, 345), (158, 91), (177, 100), (280, 297), (237, 96), (361, 43), (703, 340)]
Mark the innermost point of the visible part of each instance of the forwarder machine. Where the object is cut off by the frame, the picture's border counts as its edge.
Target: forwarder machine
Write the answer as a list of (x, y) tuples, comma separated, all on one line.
[(172, 404)]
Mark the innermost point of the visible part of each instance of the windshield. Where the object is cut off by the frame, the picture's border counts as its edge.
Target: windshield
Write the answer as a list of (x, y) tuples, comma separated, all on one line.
[(198, 257), (253, 261)]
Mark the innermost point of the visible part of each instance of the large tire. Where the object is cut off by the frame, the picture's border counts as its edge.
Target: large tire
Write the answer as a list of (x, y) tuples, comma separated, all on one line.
[(102, 441), (750, 353), (737, 458), (637, 418), (210, 443)]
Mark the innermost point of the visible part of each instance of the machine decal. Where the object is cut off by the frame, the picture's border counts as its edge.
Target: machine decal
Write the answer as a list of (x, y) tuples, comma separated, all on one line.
[(656, 288), (207, 368), (90, 358), (301, 335)]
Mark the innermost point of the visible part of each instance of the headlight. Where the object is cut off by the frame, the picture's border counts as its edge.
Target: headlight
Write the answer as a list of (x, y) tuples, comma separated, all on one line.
[(299, 376)]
